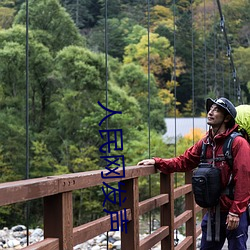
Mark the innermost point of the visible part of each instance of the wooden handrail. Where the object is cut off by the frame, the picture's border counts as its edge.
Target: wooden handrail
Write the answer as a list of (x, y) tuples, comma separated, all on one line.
[(58, 209)]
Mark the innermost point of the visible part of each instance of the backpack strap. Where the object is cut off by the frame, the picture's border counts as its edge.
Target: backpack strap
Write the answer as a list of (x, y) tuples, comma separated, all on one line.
[(227, 151), (227, 148), (203, 152)]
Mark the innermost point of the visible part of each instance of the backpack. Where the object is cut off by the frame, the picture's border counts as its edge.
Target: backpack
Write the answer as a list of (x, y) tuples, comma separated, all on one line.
[(243, 120), (206, 179), (206, 185)]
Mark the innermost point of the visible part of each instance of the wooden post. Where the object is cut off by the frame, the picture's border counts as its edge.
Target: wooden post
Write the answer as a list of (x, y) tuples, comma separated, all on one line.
[(167, 210), (58, 219), (190, 205), (130, 240)]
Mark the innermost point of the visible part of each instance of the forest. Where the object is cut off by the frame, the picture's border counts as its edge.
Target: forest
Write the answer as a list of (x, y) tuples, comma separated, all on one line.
[(148, 59)]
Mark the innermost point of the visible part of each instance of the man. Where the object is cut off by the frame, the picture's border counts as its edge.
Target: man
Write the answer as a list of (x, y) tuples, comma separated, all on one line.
[(221, 115)]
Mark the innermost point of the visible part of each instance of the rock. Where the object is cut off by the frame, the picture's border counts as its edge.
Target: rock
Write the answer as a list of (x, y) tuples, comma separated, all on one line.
[(117, 235), (38, 232), (111, 240), (100, 238), (96, 248), (3, 233), (13, 243), (117, 245), (16, 238), (18, 228)]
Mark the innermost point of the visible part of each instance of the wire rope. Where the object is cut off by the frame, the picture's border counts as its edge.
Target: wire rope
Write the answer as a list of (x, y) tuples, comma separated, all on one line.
[(192, 73), (215, 52), (149, 121), (106, 78), (236, 83), (174, 72), (27, 207), (175, 95), (205, 48)]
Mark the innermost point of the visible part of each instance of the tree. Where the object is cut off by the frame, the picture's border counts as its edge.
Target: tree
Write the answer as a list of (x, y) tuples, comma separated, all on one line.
[(6, 17), (242, 64), (132, 78), (53, 25), (84, 13)]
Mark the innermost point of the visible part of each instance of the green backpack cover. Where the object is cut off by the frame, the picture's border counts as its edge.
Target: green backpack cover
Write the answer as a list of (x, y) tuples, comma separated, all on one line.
[(243, 119)]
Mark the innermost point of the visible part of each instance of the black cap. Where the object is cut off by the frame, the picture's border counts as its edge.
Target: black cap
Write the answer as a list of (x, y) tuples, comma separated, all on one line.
[(223, 103)]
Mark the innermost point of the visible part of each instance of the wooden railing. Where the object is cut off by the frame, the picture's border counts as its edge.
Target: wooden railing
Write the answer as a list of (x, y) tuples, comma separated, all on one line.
[(59, 232)]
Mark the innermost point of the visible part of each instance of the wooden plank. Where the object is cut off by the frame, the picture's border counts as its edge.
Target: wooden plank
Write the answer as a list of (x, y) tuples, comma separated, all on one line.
[(24, 190), (185, 244), (58, 219), (93, 178), (154, 238), (182, 218), (152, 203), (46, 244), (178, 192), (132, 202), (198, 209), (94, 228), (167, 210), (198, 231), (190, 205)]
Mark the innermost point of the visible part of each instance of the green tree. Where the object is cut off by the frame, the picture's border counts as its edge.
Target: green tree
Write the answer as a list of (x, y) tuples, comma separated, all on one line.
[(241, 56), (135, 81), (6, 17), (84, 13), (53, 25)]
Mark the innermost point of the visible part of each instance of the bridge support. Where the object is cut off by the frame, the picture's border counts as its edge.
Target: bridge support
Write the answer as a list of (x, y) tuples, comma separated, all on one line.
[(167, 210), (190, 205), (58, 219), (131, 239)]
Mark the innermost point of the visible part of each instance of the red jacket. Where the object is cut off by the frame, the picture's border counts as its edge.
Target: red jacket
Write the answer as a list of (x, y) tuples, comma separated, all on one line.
[(241, 167)]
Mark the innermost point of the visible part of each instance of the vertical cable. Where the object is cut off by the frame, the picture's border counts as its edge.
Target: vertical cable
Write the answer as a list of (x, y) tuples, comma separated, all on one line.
[(222, 69), (174, 76), (106, 56), (192, 28), (106, 77), (205, 50), (175, 95), (77, 13), (229, 84), (27, 112), (215, 51), (149, 122), (237, 87)]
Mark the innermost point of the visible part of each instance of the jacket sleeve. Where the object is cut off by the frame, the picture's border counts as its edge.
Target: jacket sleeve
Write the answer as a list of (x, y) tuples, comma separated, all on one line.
[(185, 162), (241, 175)]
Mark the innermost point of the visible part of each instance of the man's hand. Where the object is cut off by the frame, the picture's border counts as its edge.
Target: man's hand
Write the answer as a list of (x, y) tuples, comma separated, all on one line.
[(146, 162), (232, 221)]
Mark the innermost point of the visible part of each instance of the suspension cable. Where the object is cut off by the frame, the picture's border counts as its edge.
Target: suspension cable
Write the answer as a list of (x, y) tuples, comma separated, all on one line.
[(205, 50), (27, 207), (175, 95), (192, 76), (215, 51), (174, 75), (106, 80), (149, 120), (229, 53)]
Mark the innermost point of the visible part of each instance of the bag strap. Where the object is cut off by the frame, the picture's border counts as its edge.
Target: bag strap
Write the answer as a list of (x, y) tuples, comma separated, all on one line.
[(203, 152), (227, 148)]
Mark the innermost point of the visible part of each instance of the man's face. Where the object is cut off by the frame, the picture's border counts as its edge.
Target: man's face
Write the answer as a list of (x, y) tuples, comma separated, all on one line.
[(215, 116)]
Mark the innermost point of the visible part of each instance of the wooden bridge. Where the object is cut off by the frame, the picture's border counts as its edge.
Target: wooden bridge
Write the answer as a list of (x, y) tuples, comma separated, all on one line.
[(59, 233)]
